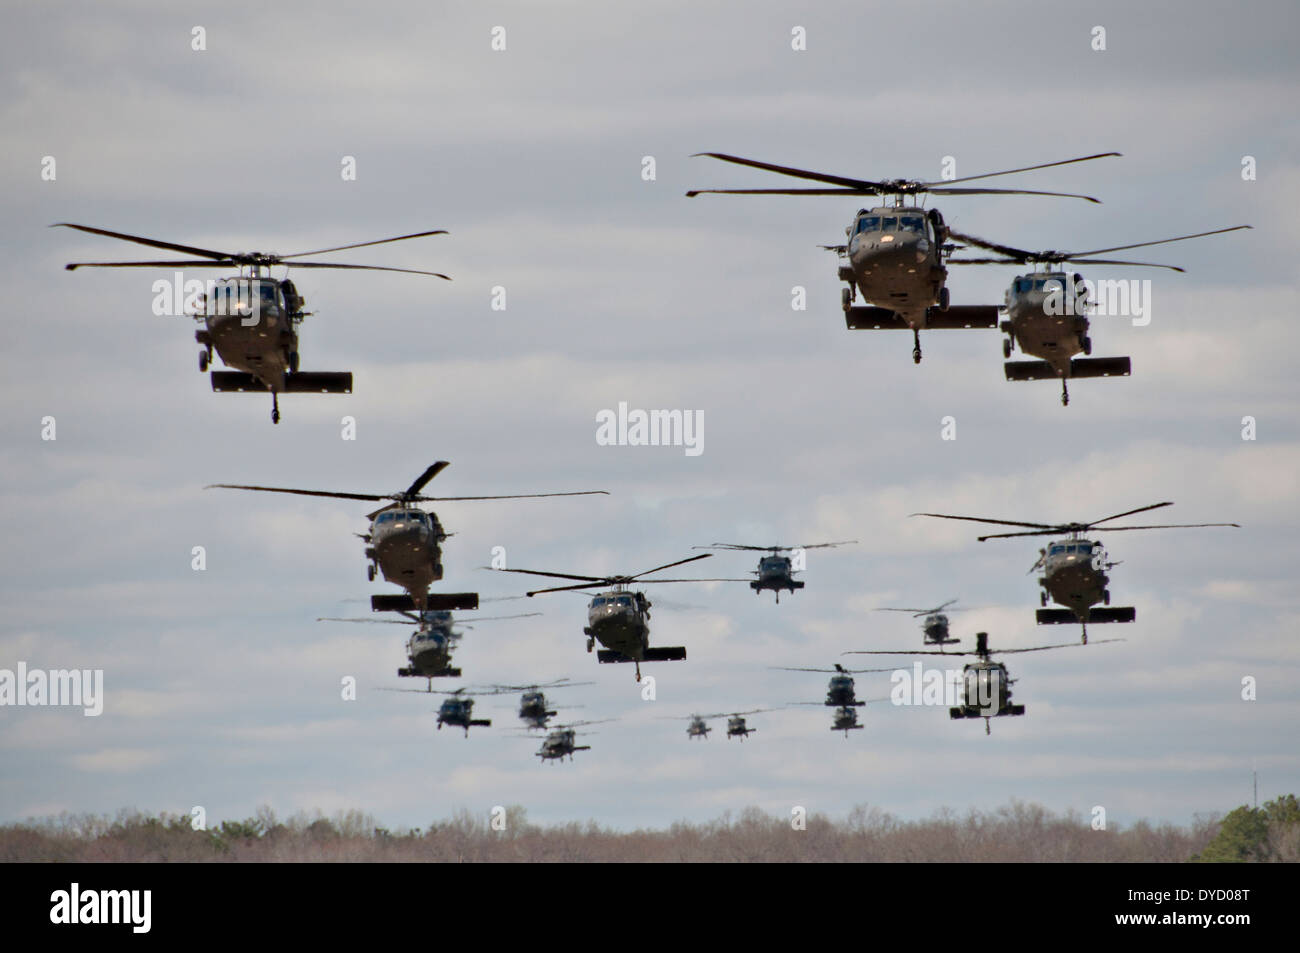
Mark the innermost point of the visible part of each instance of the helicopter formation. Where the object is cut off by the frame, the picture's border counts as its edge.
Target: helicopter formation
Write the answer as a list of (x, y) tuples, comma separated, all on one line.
[(896, 257)]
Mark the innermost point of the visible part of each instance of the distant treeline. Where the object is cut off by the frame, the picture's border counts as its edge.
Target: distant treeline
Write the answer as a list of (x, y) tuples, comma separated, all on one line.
[(1020, 833)]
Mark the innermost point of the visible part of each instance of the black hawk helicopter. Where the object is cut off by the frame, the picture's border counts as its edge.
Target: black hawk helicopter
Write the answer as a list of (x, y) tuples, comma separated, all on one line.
[(775, 571), (840, 692), (429, 648), (562, 741), (619, 619), (1047, 310), (252, 322), (935, 625), (457, 709), (405, 542), (534, 709), (1074, 569), (895, 252), (736, 726), (986, 685), (846, 720)]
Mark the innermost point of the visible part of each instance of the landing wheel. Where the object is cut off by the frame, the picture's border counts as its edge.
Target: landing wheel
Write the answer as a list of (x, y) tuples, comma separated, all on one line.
[(590, 644), (370, 573), (293, 362), (1105, 596), (203, 361), (1042, 599), (1086, 343), (916, 347), (943, 299), (916, 355), (1006, 348), (275, 408), (846, 298)]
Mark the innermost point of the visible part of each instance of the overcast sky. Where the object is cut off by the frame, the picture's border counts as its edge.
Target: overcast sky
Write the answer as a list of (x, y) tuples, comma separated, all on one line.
[(222, 691)]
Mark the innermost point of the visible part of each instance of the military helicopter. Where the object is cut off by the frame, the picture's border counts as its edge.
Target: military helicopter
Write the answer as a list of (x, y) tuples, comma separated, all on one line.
[(986, 685), (562, 741), (736, 727), (405, 542), (840, 689), (846, 720), (252, 322), (430, 645), (935, 625), (534, 709), (620, 620), (774, 570), (1074, 569), (458, 710), (895, 252), (1047, 309)]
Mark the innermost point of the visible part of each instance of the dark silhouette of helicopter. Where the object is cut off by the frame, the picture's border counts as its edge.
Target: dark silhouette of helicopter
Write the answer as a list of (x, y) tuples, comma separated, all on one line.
[(562, 741), (895, 252), (429, 648), (986, 685), (405, 542), (935, 625), (458, 710), (619, 619), (1047, 309), (840, 691), (258, 336), (736, 726), (846, 720), (1074, 569), (775, 571), (534, 709)]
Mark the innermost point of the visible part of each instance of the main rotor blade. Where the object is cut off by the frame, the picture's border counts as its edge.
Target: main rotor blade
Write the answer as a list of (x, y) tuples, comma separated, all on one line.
[(326, 264), (515, 496), (151, 242), (1063, 645), (422, 480), (281, 489), (382, 241), (205, 263), (557, 575), (1063, 195), (741, 546), (1163, 241), (694, 192), (689, 559), (1114, 261), (500, 618), (978, 519), (536, 592), (379, 621), (1028, 168), (845, 542), (905, 652), (796, 173), (1116, 529), (1020, 254), (646, 582), (1140, 509)]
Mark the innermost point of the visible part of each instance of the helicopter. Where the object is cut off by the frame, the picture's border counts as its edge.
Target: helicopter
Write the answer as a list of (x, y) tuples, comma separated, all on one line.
[(533, 706), (846, 720), (1047, 310), (774, 570), (736, 727), (895, 252), (986, 685), (562, 741), (620, 620), (429, 647), (458, 710), (252, 322), (405, 542), (1074, 569), (935, 625), (840, 689)]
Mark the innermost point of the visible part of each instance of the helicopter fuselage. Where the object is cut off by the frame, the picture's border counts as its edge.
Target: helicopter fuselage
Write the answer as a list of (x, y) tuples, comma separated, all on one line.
[(698, 728), (620, 621), (846, 720), (895, 261), (775, 574), (459, 712), (532, 709), (429, 651), (840, 692), (249, 322), (1074, 575), (736, 728), (935, 628), (1039, 323), (406, 545), (561, 743)]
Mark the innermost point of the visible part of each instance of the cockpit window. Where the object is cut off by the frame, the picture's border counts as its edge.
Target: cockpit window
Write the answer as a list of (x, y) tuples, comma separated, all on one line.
[(912, 223), (598, 601), (625, 600), (889, 223), (868, 223), (1057, 550)]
